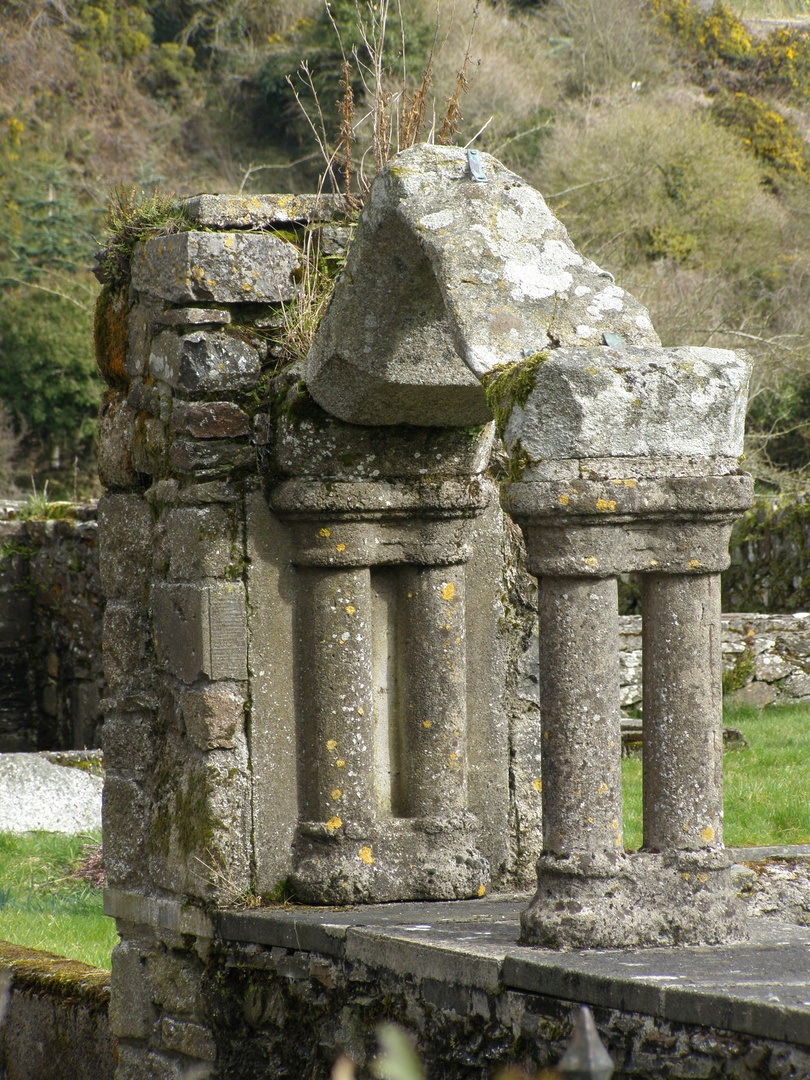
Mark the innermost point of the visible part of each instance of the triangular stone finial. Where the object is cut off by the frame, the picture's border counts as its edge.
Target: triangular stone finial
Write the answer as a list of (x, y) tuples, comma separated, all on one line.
[(447, 278)]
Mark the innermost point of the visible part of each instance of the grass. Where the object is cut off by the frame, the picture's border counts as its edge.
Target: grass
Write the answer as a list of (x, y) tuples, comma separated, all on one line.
[(770, 9), (42, 908), (766, 787)]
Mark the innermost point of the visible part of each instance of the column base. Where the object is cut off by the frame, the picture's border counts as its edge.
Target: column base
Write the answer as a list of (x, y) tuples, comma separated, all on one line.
[(606, 901), (399, 859)]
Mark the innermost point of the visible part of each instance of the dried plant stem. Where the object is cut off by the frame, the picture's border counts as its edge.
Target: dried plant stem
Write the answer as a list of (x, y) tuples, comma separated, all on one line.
[(452, 117), (346, 109)]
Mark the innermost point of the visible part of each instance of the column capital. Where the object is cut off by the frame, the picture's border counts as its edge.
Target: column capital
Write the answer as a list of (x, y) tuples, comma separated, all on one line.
[(381, 523), (578, 527)]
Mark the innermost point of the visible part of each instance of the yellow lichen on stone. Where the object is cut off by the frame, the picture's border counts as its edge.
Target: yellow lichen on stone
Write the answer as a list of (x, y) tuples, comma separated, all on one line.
[(537, 784), (564, 500), (427, 724), (336, 793), (340, 547), (360, 710), (693, 564), (707, 834), (603, 789), (630, 482), (481, 890), (324, 532), (331, 744), (591, 561), (340, 763), (333, 824), (702, 878), (364, 854), (448, 590), (653, 562), (350, 609), (606, 506)]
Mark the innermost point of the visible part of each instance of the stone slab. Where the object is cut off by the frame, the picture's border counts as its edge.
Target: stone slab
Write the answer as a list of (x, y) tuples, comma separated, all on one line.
[(628, 403), (200, 629), (760, 987), (447, 278), (262, 211), (223, 268), (35, 794)]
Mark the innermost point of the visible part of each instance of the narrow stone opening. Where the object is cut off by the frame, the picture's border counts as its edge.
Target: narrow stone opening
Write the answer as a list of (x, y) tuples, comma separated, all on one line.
[(388, 728)]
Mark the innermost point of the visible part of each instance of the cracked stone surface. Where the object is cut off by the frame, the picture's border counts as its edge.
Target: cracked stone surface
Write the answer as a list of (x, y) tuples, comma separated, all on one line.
[(446, 279)]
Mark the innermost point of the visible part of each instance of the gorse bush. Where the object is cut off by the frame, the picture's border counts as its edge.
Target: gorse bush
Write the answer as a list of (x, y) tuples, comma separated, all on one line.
[(769, 135)]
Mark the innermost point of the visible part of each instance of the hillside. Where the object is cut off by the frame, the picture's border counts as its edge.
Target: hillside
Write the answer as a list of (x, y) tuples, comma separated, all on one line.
[(670, 136)]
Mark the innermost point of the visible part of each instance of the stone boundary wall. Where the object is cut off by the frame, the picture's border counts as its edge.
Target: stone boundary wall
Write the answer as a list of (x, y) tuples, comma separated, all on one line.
[(770, 557), (51, 609), (281, 993), (766, 659), (53, 1018)]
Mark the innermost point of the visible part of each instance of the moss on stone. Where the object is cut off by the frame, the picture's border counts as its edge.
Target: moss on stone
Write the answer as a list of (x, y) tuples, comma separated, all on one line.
[(508, 385), (741, 674), (192, 813), (45, 974), (111, 336)]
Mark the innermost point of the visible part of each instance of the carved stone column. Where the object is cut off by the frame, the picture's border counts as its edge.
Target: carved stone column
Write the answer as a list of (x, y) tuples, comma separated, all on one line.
[(407, 834), (683, 712), (615, 493)]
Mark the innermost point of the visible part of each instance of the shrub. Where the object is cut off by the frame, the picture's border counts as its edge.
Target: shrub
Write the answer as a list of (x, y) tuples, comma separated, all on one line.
[(774, 139)]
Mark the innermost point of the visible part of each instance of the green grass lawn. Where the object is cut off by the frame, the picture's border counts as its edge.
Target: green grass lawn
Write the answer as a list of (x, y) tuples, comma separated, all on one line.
[(41, 908), (766, 788)]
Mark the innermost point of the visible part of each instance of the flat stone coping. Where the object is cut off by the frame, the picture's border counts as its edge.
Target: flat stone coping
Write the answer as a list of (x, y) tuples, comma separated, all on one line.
[(760, 987)]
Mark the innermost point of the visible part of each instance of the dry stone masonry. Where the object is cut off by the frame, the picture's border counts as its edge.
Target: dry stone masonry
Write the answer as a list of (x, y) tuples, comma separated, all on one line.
[(311, 644)]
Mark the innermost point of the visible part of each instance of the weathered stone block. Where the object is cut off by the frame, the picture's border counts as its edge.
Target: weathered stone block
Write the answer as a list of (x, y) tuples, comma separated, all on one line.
[(142, 318), (204, 361), (188, 1038), (210, 420), (126, 643), (200, 542), (193, 316), (149, 445), (213, 715), (624, 403), (130, 742), (131, 1012), (188, 456), (125, 545), (227, 268), (125, 816), (252, 211), (115, 426), (201, 630), (446, 279)]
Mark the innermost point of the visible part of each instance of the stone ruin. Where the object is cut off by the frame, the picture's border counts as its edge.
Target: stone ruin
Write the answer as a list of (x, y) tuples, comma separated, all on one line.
[(310, 642)]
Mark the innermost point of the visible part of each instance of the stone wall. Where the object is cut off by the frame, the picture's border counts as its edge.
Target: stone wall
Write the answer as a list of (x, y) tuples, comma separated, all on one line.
[(770, 557), (283, 993), (51, 609), (53, 1018)]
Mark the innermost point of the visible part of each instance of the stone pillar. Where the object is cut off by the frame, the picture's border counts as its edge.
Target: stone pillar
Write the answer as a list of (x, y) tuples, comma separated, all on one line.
[(360, 840), (603, 496), (335, 707), (434, 691), (579, 700), (683, 712)]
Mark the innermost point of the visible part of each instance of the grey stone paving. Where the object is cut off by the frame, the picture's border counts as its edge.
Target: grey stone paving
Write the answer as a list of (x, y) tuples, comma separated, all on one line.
[(36, 794)]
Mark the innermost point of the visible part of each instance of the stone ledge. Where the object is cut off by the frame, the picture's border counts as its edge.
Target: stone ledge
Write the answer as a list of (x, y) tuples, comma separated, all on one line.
[(760, 987)]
